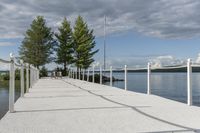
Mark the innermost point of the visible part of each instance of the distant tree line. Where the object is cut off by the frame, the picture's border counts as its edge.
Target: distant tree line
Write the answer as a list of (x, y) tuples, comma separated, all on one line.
[(66, 47)]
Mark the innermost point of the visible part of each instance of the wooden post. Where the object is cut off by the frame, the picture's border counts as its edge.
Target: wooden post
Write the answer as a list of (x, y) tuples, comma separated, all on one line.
[(125, 77), (22, 78), (189, 82), (12, 84)]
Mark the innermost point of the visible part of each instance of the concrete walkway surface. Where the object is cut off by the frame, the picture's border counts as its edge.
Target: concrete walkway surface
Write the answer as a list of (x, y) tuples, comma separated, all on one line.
[(74, 106)]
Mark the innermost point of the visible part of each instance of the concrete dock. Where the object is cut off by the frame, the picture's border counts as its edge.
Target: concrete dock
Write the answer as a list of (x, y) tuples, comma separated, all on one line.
[(74, 106)]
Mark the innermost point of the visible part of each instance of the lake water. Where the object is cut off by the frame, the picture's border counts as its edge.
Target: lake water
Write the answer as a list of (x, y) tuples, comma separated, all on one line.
[(168, 85), (4, 96)]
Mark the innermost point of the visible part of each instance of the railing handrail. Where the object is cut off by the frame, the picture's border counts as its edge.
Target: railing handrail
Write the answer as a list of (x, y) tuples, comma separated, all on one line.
[(5, 61)]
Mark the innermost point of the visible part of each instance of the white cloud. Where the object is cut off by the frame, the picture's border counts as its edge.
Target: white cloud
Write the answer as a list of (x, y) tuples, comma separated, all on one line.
[(6, 44), (167, 60), (141, 61), (158, 18), (198, 59), (4, 66)]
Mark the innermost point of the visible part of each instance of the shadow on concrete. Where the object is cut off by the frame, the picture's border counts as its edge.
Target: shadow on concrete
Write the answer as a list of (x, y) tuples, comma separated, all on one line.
[(137, 110), (175, 131), (68, 109)]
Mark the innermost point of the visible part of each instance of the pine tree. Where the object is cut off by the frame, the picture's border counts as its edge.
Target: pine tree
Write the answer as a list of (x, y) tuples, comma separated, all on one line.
[(37, 45), (65, 43), (83, 44)]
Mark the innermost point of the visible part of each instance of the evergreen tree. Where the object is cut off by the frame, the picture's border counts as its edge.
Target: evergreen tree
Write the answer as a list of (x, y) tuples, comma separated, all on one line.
[(38, 43), (83, 44), (65, 43)]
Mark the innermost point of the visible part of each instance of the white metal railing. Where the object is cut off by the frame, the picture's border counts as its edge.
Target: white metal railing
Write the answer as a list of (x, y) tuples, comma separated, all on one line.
[(32, 78), (148, 69)]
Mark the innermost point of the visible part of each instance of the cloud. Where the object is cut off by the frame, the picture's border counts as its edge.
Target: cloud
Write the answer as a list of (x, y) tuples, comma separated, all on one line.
[(166, 60), (197, 59), (158, 18), (4, 67), (6, 44), (141, 61)]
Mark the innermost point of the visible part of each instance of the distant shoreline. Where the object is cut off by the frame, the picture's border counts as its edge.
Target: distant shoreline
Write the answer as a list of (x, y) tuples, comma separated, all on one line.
[(164, 70)]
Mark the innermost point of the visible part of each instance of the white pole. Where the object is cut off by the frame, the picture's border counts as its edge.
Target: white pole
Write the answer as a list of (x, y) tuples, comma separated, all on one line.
[(27, 77), (31, 77), (83, 74), (88, 75), (76, 74), (189, 82), (93, 73), (79, 74), (149, 79), (12, 84), (22, 78), (110, 75), (125, 77), (104, 43), (100, 74), (38, 74)]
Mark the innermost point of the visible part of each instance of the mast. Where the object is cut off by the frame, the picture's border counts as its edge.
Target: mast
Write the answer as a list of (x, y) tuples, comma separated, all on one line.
[(104, 43)]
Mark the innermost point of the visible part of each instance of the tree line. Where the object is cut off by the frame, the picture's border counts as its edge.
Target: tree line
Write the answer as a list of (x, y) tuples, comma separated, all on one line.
[(67, 46)]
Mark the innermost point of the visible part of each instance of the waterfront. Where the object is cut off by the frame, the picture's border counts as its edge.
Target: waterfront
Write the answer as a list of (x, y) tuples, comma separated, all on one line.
[(4, 87), (169, 85)]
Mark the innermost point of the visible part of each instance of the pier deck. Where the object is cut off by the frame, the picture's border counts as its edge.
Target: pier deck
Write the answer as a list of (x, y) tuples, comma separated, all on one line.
[(74, 106)]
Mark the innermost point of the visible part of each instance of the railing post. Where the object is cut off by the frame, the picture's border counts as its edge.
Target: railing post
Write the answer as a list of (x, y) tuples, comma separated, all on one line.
[(22, 78), (31, 76), (38, 74), (88, 75), (93, 73), (189, 82), (83, 74), (27, 77), (12, 84), (72, 73), (125, 77), (149, 78), (100, 74), (111, 80), (76, 74), (79, 77)]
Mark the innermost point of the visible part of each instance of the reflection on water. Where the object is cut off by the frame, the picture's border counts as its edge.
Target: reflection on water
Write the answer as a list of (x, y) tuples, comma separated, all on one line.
[(168, 85), (4, 85)]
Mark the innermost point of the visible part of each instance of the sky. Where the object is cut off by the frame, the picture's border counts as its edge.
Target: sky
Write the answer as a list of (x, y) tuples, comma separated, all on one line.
[(138, 31)]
